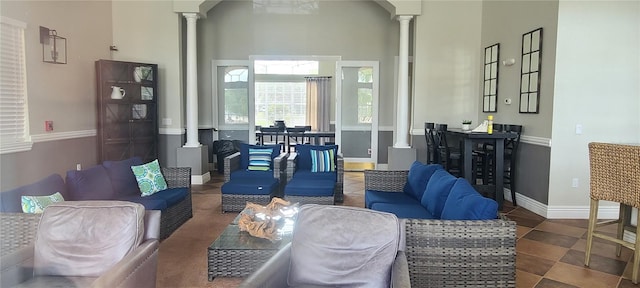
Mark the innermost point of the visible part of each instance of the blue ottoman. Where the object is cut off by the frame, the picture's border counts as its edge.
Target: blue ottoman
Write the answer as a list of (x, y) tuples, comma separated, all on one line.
[(236, 193), (309, 191)]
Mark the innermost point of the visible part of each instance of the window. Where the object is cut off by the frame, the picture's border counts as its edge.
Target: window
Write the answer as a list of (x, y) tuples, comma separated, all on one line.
[(281, 91), (14, 132), (236, 96), (365, 95)]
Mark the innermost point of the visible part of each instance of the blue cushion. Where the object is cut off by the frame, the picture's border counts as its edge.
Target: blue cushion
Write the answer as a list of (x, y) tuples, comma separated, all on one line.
[(89, 184), (244, 153), (250, 175), (306, 187), (371, 197), (404, 211), (10, 200), (419, 175), (122, 178), (148, 202), (303, 160), (171, 195), (465, 203), (437, 191), (307, 174), (250, 187)]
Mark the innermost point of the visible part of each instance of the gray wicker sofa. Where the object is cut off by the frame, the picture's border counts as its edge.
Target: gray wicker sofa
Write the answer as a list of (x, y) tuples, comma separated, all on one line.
[(105, 184)]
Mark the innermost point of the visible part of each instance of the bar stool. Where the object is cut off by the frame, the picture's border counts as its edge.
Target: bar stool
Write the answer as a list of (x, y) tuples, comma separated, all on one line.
[(615, 176)]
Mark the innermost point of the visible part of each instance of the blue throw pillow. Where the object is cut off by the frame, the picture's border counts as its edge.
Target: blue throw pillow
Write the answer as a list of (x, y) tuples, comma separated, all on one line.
[(419, 175), (260, 159), (244, 153), (303, 160), (437, 191), (323, 160), (465, 203)]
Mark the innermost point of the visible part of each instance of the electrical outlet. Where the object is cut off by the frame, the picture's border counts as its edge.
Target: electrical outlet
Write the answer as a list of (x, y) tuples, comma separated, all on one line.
[(48, 125), (574, 182)]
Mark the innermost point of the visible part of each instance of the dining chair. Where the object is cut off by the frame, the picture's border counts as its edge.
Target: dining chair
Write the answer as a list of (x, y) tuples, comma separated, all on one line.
[(273, 134), (614, 176), (449, 156), (306, 129), (295, 136), (429, 130)]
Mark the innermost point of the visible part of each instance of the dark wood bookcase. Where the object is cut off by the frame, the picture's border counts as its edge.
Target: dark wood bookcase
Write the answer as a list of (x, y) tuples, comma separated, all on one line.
[(128, 124)]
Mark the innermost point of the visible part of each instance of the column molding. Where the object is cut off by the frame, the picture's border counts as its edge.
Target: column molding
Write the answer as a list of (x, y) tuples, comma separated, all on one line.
[(402, 118), (192, 81)]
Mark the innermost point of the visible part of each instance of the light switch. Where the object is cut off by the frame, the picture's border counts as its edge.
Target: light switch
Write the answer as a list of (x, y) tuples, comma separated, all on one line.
[(578, 129)]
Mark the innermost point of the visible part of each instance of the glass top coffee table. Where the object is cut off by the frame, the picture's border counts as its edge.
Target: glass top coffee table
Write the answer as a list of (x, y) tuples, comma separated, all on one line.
[(237, 254)]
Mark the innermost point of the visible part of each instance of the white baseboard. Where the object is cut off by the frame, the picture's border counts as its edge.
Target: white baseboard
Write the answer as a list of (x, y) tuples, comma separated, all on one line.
[(561, 212), (382, 166), (200, 179)]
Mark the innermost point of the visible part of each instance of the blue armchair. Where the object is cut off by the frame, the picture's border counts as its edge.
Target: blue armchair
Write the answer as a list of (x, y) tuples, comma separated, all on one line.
[(315, 175), (255, 174)]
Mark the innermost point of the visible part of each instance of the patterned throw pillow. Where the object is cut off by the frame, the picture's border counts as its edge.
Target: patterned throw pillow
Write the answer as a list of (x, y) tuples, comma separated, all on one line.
[(149, 177), (36, 204), (323, 160), (259, 159)]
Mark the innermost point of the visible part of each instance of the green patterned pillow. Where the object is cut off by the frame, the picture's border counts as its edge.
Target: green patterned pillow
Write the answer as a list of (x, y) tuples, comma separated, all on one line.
[(36, 204), (149, 177)]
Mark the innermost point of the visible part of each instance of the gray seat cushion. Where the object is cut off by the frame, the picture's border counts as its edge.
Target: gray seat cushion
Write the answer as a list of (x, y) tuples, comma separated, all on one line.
[(343, 247)]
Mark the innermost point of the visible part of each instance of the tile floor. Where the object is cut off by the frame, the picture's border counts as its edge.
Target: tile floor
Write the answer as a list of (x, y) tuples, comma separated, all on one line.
[(550, 252)]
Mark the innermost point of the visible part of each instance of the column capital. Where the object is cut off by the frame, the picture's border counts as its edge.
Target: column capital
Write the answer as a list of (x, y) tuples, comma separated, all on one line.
[(191, 16), (403, 18)]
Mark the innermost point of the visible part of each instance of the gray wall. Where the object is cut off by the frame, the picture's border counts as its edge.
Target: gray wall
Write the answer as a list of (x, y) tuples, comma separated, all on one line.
[(65, 93), (504, 22)]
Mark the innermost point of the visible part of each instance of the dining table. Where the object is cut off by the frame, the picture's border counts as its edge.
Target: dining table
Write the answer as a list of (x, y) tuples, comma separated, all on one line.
[(317, 136), (497, 139)]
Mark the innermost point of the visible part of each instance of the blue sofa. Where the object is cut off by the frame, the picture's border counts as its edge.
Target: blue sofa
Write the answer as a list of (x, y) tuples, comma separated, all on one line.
[(114, 180), (426, 192)]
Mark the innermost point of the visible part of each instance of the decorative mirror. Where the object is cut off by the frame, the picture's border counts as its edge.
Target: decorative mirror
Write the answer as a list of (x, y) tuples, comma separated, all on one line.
[(490, 91), (530, 72)]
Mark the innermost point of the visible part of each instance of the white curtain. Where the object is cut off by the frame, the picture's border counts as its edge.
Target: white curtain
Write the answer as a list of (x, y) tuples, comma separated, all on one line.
[(318, 102)]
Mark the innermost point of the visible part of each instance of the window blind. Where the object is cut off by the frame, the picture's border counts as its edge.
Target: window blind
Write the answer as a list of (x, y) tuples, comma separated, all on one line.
[(14, 134)]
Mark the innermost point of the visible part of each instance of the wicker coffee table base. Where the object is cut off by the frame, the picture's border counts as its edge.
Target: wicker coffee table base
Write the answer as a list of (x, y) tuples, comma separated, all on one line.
[(236, 263)]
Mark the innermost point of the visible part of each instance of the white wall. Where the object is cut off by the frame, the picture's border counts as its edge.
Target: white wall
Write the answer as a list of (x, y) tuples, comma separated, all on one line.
[(447, 55), (150, 32), (597, 85)]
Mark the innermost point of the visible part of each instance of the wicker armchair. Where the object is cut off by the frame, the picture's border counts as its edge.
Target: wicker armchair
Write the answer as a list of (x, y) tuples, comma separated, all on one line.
[(615, 176), (337, 197), (236, 202), (176, 215)]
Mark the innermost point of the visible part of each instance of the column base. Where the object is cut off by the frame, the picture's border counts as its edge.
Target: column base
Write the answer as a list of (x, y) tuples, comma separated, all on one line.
[(198, 160), (401, 158)]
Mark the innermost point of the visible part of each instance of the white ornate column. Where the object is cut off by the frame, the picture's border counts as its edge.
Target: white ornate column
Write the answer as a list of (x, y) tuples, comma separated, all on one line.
[(401, 155), (193, 154), (402, 121), (192, 81)]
